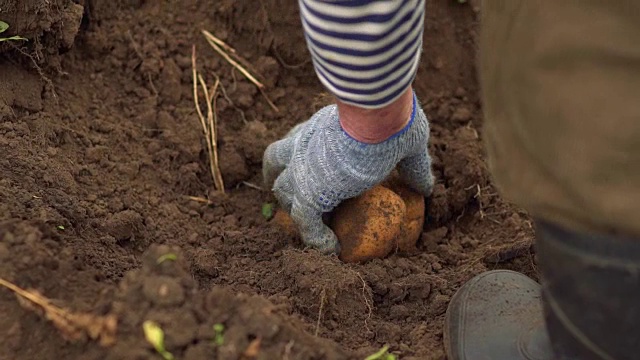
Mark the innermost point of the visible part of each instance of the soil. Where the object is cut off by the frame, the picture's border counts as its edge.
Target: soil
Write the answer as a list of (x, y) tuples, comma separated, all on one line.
[(102, 150)]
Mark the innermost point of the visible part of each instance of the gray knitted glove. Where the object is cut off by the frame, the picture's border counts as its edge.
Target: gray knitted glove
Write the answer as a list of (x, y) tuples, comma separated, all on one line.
[(317, 165)]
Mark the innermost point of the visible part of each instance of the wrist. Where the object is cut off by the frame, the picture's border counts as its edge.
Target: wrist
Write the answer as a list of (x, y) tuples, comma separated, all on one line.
[(373, 126)]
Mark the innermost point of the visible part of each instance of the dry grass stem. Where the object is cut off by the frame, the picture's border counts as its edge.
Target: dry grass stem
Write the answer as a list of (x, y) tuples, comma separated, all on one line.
[(213, 41), (199, 199), (211, 130), (209, 124), (251, 185), (222, 44), (73, 326), (271, 104), (195, 86), (219, 46)]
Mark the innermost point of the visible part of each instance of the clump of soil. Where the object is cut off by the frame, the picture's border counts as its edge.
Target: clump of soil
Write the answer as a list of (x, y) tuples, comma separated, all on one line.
[(50, 27), (167, 294), (98, 182)]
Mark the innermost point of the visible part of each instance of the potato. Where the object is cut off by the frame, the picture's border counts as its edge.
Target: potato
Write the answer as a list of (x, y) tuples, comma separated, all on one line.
[(383, 219), (369, 225), (414, 220)]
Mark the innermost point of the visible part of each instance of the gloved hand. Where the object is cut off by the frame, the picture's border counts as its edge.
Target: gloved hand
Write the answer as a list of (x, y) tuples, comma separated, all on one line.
[(317, 165)]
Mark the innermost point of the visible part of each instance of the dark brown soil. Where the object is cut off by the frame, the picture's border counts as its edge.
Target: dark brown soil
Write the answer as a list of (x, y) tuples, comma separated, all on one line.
[(96, 172)]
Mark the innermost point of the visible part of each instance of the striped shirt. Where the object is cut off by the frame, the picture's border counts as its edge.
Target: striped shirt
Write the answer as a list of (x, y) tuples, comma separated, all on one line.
[(366, 52)]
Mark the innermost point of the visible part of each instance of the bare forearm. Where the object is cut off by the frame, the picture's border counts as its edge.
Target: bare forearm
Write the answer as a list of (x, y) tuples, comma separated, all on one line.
[(373, 126)]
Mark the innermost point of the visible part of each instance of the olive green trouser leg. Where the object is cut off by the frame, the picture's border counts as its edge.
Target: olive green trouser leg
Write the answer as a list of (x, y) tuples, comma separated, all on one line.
[(561, 94), (560, 86)]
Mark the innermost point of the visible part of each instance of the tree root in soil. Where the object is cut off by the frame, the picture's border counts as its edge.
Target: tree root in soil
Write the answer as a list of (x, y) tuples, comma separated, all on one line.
[(73, 326)]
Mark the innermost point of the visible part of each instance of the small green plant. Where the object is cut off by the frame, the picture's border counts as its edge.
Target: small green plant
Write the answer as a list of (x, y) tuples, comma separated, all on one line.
[(60, 227), (3, 27), (155, 336), (383, 354), (267, 210), (167, 257), (218, 338)]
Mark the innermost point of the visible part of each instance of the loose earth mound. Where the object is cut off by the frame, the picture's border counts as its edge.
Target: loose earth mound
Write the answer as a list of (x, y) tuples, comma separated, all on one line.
[(104, 170)]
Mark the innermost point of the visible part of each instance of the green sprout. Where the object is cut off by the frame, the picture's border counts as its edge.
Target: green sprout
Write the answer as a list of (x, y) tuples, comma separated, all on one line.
[(218, 338), (60, 227), (3, 27), (155, 336), (383, 354), (167, 257), (267, 210)]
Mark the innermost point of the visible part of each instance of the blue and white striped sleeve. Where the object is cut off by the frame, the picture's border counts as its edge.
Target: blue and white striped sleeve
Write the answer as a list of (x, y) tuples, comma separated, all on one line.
[(366, 52)]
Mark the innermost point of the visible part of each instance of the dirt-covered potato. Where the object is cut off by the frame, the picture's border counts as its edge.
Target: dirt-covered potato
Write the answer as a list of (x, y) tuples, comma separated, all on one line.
[(369, 225), (414, 220), (387, 218)]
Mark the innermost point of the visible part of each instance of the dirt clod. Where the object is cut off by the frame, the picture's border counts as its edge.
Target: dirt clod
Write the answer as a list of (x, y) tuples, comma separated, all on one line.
[(124, 225)]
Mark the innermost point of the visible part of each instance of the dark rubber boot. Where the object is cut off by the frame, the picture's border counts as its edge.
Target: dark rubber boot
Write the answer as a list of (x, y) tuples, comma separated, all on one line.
[(591, 303), (497, 315), (591, 293)]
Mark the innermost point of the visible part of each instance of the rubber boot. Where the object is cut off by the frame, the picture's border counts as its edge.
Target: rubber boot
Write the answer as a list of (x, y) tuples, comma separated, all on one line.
[(590, 306), (497, 315), (591, 293)]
